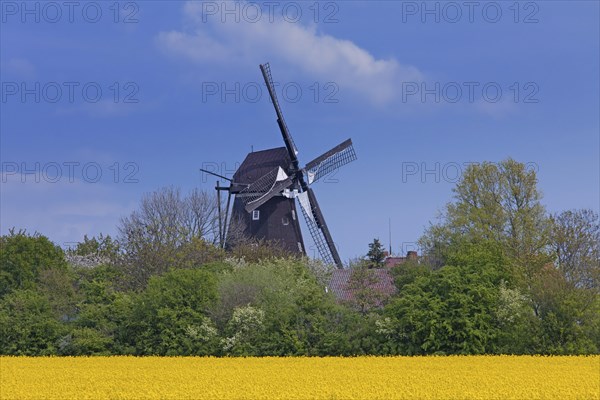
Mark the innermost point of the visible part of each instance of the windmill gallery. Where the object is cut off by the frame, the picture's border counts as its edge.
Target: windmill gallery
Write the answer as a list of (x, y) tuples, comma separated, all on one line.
[(268, 182)]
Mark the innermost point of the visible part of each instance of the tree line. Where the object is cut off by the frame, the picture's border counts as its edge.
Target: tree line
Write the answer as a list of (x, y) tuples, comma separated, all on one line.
[(498, 274)]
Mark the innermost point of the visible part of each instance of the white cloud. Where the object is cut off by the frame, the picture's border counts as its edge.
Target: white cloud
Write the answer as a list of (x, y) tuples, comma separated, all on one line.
[(199, 47), (319, 55)]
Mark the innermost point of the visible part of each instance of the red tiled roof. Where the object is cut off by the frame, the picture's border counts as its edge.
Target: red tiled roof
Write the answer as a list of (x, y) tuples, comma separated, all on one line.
[(393, 261), (340, 278)]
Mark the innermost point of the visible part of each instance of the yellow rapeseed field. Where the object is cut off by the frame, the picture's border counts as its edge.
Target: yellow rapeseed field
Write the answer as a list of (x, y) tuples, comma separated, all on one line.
[(457, 377)]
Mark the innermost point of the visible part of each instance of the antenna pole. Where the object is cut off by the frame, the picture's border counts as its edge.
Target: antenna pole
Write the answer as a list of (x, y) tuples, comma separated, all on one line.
[(390, 234)]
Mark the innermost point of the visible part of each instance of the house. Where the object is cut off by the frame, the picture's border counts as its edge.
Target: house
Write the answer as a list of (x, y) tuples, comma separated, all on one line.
[(382, 280), (339, 283), (391, 261)]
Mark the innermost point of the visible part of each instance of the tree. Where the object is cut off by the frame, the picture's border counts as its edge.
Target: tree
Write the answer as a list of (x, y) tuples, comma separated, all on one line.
[(165, 217), (376, 253), (94, 251), (23, 257), (256, 250), (102, 317), (548, 266), (168, 231), (300, 318), (408, 272), (495, 203), (519, 327), (170, 317), (576, 244), (58, 286), (568, 317), (243, 331), (445, 312), (364, 286), (28, 325)]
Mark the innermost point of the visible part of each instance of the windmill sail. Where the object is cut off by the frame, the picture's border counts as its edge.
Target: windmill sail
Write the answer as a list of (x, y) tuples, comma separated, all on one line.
[(318, 228), (330, 161), (265, 188), (287, 137)]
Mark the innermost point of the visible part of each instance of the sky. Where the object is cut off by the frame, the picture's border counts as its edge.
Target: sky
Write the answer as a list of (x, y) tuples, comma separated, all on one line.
[(103, 102)]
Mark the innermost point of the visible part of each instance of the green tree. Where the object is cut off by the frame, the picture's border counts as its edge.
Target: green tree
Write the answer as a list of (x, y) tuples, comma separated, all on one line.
[(244, 330), (568, 316), (83, 341), (548, 266), (518, 327), (408, 272), (448, 311), (376, 254), (170, 316), (103, 313), (23, 257), (28, 325), (300, 318), (445, 313), (494, 203), (58, 286)]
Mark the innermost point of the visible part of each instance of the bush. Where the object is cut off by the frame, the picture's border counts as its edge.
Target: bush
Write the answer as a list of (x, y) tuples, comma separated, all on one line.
[(27, 325), (23, 257)]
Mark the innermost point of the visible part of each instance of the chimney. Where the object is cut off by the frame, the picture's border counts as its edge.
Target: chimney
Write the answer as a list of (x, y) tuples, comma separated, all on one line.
[(411, 255)]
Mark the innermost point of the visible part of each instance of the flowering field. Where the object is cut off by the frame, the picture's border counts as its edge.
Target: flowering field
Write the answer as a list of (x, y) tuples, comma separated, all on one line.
[(457, 377)]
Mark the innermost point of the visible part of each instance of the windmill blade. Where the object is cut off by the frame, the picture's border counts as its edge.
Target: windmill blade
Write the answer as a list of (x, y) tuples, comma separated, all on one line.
[(330, 161), (264, 188), (318, 228), (287, 137)]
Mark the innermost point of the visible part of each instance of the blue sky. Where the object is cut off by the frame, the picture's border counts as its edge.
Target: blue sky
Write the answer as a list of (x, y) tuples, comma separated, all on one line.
[(126, 99)]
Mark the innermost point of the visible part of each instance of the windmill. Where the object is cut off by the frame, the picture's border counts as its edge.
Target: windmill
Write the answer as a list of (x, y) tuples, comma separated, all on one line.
[(267, 184)]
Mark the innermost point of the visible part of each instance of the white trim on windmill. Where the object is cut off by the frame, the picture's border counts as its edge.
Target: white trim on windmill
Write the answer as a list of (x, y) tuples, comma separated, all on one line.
[(305, 204), (281, 175), (290, 193)]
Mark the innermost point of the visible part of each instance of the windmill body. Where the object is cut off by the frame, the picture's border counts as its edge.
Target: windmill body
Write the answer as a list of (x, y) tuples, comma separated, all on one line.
[(266, 186), (277, 219)]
